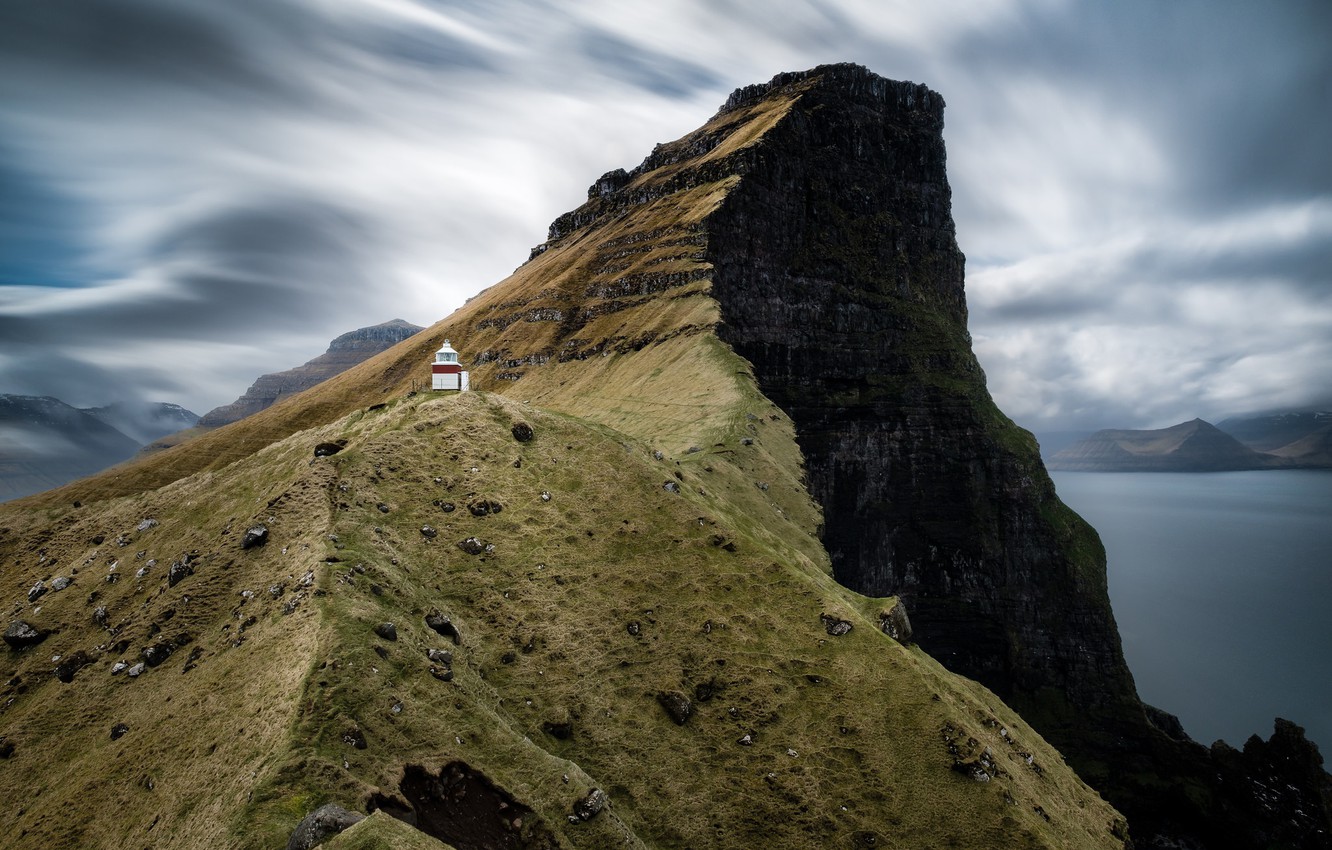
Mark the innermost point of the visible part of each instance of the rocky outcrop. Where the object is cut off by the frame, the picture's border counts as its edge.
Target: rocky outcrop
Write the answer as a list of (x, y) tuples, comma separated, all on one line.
[(1194, 446), (343, 353)]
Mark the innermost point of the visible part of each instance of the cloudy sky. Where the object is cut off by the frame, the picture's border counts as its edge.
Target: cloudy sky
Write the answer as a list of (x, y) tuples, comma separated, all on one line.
[(193, 192)]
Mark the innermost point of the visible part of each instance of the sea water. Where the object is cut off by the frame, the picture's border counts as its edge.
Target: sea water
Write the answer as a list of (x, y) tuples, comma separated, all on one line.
[(1222, 587)]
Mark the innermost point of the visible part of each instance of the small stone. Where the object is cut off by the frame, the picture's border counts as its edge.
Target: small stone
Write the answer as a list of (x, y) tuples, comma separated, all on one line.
[(591, 805), (658, 455), (396, 708), (118, 668), (746, 740), (746, 441), (444, 674), (447, 507), (146, 524), (59, 583), (484, 507), (326, 449), (136, 671), (21, 635), (428, 532), (37, 591), (693, 450), (634, 628), (677, 705), (118, 731), (522, 432), (545, 495), (559, 729), (383, 508), (671, 487), (472, 546), (355, 737), (255, 535), (100, 616), (440, 656), (387, 631), (321, 824)]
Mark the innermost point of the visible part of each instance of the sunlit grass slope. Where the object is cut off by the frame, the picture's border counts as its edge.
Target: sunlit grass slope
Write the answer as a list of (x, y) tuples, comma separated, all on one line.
[(604, 589)]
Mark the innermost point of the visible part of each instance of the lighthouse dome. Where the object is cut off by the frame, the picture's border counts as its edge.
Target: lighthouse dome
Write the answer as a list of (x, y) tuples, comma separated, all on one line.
[(446, 354)]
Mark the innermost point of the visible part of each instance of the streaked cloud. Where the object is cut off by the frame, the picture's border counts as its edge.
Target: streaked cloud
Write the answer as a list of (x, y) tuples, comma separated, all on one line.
[(192, 193)]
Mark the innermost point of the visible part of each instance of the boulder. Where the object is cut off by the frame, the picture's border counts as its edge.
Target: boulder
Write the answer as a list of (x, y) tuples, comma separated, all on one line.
[(522, 432), (443, 626), (21, 635), (472, 546), (387, 631), (591, 805), (677, 705), (895, 623), (835, 626), (326, 449), (118, 731), (71, 664), (321, 824), (255, 535)]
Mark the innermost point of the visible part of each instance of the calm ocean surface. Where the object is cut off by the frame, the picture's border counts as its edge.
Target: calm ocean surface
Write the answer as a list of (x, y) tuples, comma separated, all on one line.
[(1222, 588)]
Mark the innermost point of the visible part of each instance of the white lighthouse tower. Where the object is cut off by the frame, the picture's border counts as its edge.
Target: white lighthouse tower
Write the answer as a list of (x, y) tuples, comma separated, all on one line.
[(446, 373)]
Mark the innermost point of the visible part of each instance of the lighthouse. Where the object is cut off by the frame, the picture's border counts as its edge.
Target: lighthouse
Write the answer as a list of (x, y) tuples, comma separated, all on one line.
[(446, 373)]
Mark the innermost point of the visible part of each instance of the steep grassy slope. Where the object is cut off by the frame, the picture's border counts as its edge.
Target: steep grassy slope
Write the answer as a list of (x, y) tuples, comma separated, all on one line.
[(603, 590)]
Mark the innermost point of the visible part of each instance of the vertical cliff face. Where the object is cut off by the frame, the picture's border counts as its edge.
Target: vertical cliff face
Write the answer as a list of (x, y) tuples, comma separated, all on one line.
[(840, 279)]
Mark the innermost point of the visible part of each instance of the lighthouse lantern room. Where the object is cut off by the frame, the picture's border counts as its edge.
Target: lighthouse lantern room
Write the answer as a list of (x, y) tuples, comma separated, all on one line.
[(446, 373)]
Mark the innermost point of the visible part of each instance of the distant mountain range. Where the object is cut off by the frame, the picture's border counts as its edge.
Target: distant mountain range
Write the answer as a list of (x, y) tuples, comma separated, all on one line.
[(1274, 441), (45, 443), (343, 353)]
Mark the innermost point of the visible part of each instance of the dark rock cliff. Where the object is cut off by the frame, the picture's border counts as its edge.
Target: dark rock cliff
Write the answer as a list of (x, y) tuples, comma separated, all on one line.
[(840, 280)]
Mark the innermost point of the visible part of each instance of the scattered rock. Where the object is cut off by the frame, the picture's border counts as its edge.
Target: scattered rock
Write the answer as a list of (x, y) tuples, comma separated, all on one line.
[(156, 653), (443, 626), (37, 591), (444, 674), (895, 623), (255, 535), (383, 508), (136, 671), (746, 441), (118, 668), (591, 805), (693, 450), (323, 823), (746, 740), (671, 487), (657, 455), (560, 729), (387, 631), (98, 539), (21, 635), (60, 583), (973, 768), (118, 731), (834, 626), (677, 705), (6, 748), (355, 737), (428, 532), (71, 664), (484, 507), (634, 628), (440, 656), (447, 507), (472, 546), (522, 432), (146, 524), (178, 572), (326, 449), (545, 495)]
